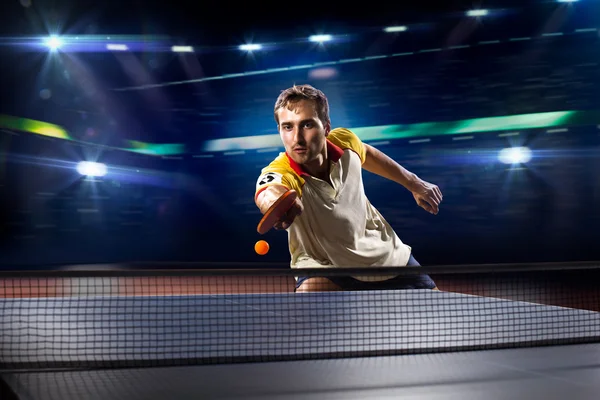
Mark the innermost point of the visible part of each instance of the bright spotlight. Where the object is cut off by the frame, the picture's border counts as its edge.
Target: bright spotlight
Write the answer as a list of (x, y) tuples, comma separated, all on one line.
[(250, 47), (515, 155), (182, 49), (117, 47), (320, 38), (89, 168), (53, 42), (477, 13), (393, 29)]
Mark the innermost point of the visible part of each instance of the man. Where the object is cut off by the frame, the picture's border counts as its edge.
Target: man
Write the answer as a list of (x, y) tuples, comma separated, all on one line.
[(332, 223)]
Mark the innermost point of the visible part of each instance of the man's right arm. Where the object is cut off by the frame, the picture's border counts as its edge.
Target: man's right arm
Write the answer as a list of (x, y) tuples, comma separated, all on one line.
[(270, 186), (269, 195)]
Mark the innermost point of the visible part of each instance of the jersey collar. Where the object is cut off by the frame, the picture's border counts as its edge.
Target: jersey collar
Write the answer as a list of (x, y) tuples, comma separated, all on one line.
[(334, 153)]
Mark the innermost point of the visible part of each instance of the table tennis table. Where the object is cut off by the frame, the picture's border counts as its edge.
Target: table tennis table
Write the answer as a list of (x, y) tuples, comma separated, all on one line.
[(371, 344)]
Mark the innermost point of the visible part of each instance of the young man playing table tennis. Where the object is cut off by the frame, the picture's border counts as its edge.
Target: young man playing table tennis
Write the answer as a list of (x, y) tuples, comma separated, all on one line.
[(332, 223)]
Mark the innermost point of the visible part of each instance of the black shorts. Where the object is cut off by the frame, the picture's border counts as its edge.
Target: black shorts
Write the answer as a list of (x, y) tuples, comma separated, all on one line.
[(421, 281)]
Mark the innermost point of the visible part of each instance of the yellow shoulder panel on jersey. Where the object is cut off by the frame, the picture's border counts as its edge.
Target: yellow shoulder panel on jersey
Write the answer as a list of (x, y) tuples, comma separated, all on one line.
[(346, 139), (279, 172)]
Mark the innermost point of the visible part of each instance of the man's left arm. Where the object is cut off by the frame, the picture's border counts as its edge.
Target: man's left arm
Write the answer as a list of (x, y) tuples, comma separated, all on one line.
[(427, 195)]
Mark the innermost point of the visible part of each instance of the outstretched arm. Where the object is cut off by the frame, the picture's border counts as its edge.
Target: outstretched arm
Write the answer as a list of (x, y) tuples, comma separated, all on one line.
[(268, 196), (427, 195)]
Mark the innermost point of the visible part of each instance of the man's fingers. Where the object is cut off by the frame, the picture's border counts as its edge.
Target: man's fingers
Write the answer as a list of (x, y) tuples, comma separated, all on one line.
[(432, 208), (294, 212), (428, 196), (286, 220), (438, 195), (432, 200), (423, 204), (290, 216)]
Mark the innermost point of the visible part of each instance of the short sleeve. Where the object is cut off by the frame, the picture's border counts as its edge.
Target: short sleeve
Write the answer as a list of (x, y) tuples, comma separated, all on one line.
[(346, 139), (279, 172)]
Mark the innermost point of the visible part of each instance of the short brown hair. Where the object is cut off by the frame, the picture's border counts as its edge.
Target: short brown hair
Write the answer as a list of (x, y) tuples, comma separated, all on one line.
[(298, 93)]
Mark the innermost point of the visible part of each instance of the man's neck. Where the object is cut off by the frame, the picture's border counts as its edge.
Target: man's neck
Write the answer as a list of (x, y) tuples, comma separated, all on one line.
[(319, 168)]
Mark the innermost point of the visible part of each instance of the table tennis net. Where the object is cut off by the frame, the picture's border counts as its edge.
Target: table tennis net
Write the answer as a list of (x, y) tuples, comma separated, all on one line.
[(122, 317)]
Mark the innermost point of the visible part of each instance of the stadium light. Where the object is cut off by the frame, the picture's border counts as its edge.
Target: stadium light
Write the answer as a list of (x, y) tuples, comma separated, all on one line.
[(320, 38), (477, 13), (182, 49), (515, 155), (392, 29), (117, 47), (88, 168), (250, 47), (53, 42)]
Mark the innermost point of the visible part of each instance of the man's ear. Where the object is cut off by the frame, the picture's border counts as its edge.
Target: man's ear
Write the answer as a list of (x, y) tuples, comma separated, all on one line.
[(327, 129)]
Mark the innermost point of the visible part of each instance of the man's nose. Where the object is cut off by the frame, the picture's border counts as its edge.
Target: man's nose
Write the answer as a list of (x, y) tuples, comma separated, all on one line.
[(298, 134)]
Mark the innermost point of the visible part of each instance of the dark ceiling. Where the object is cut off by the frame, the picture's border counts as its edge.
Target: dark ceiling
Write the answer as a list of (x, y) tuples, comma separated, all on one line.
[(216, 29), (216, 23)]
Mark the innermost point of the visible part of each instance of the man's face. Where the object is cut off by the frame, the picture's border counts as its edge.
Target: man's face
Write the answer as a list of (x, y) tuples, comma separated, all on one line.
[(302, 132)]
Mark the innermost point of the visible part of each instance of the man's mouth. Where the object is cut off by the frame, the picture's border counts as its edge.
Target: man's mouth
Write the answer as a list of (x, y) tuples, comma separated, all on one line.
[(300, 150)]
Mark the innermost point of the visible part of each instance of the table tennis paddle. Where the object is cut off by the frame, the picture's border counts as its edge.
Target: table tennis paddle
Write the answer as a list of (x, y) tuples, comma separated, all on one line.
[(277, 210)]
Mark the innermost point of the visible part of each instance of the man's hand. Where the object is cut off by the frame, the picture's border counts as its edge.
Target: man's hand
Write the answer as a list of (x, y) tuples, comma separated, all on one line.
[(427, 195), (294, 211), (267, 197)]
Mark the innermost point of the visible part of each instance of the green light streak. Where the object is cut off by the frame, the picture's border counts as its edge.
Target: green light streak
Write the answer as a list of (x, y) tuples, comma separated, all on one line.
[(33, 126), (58, 132), (425, 129)]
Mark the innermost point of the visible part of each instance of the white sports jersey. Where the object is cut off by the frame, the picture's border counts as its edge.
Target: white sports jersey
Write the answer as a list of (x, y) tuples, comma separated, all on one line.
[(339, 227)]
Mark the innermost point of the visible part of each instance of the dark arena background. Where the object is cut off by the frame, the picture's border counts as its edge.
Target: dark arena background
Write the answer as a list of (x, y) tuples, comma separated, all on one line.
[(132, 135), (184, 135)]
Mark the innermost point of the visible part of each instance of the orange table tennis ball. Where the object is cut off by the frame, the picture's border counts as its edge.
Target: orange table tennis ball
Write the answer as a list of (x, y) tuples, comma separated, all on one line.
[(261, 247)]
